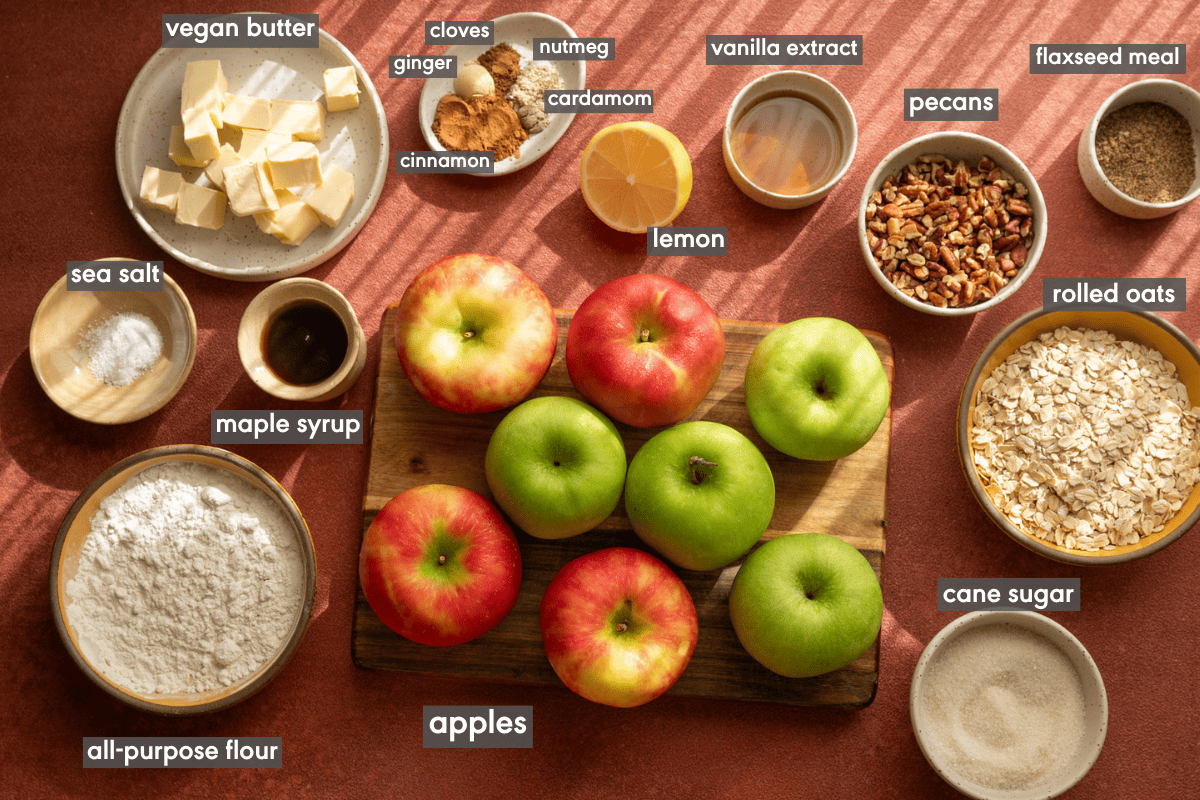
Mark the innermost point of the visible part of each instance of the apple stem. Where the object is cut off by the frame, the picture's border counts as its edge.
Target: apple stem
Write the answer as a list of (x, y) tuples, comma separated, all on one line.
[(699, 469), (622, 627), (644, 336), (468, 334), (441, 560)]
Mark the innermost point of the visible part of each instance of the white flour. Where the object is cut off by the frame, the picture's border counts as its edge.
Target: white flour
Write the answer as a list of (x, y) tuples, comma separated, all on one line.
[(189, 580)]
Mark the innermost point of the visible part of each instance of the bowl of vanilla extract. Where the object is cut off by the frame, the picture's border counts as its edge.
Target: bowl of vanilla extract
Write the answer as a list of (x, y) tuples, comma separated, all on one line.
[(299, 339)]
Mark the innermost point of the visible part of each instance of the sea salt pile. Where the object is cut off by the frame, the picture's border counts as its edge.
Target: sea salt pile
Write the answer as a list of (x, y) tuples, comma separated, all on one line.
[(122, 347)]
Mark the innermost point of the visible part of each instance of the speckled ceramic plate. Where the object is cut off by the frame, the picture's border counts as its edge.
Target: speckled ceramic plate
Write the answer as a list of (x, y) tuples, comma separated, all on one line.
[(355, 140), (519, 30)]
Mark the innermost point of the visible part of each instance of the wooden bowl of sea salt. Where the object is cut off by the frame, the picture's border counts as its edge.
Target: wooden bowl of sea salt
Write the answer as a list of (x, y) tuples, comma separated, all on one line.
[(1008, 705), (182, 580), (112, 357)]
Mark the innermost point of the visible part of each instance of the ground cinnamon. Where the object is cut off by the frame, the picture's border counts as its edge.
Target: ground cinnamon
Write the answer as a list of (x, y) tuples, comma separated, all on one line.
[(486, 123)]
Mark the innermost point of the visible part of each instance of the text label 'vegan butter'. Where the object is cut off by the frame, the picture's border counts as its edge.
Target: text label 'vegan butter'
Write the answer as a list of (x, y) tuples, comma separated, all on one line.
[(241, 30)]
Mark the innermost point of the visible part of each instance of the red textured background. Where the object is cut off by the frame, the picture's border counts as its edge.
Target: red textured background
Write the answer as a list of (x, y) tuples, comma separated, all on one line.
[(350, 732)]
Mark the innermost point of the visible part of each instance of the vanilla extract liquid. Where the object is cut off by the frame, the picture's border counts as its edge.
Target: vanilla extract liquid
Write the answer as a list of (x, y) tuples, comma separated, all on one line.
[(787, 143), (305, 343)]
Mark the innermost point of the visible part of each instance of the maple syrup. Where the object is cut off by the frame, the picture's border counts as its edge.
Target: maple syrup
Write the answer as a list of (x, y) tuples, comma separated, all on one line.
[(305, 343)]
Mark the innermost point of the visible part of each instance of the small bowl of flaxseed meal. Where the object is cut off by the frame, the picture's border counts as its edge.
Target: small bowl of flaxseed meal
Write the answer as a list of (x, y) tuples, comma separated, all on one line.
[(1139, 155), (1079, 434)]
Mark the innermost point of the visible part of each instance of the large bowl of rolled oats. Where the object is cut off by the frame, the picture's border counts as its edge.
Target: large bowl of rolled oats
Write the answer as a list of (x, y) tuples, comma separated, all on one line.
[(1079, 434), (951, 223)]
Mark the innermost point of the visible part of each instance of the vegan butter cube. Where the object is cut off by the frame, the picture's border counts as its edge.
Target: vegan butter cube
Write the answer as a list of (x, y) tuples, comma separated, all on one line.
[(293, 165), (292, 222), (341, 89), (179, 151), (204, 88), (160, 188), (247, 112), (200, 206), (331, 199), (216, 168), (200, 135), (249, 189), (299, 119), (255, 143)]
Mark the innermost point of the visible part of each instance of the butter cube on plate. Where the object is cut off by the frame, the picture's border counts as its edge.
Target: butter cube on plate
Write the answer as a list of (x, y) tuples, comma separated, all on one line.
[(299, 119), (200, 134), (341, 89), (294, 165), (216, 168), (249, 189), (255, 143), (292, 222), (204, 88), (331, 199), (160, 188), (200, 206), (179, 151), (247, 112)]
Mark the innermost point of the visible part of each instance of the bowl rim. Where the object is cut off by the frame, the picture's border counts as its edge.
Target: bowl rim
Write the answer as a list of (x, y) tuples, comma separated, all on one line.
[(1036, 623), (967, 461), (1107, 107), (1036, 198), (848, 153), (170, 286), (186, 452)]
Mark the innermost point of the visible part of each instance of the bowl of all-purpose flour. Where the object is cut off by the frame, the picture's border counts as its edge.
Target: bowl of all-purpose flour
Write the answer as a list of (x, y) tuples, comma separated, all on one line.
[(182, 579)]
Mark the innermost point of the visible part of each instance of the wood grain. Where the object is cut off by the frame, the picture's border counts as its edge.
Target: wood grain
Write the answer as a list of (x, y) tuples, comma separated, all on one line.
[(413, 442)]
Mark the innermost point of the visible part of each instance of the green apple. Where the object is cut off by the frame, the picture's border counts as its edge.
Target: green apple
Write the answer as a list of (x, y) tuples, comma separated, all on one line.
[(816, 389), (806, 604), (556, 466), (700, 493)]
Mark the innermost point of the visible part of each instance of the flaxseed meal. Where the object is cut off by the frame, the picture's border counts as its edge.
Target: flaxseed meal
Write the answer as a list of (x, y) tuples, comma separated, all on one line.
[(1146, 150), (1086, 441)]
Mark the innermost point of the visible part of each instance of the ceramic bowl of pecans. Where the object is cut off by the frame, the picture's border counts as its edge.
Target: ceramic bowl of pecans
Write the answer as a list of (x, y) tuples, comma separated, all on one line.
[(951, 223), (1079, 434)]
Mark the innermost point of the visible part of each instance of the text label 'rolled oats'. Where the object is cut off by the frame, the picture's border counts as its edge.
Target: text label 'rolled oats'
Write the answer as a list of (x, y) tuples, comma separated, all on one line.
[(783, 50), (956, 105), (241, 30), (1107, 59), (1124, 294)]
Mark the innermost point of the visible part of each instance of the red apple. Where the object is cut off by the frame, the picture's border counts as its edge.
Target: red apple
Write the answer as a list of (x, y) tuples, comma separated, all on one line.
[(439, 565), (474, 333), (619, 626), (645, 350)]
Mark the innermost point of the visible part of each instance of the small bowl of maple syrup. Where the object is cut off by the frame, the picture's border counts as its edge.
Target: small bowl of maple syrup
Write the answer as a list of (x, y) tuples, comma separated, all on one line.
[(789, 138), (299, 339)]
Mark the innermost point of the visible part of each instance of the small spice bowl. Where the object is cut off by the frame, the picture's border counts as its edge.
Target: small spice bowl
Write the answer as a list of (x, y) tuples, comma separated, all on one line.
[(969, 147), (1095, 704), (266, 307), (60, 360), (73, 533), (808, 86), (1144, 328), (1185, 100)]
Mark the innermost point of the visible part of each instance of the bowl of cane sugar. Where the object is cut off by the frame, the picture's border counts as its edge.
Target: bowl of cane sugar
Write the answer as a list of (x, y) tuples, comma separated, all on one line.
[(112, 357), (1139, 156), (1008, 705), (789, 138), (182, 580)]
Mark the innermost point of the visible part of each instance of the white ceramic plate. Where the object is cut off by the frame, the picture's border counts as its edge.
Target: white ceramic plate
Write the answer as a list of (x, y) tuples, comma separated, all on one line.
[(519, 30), (355, 140)]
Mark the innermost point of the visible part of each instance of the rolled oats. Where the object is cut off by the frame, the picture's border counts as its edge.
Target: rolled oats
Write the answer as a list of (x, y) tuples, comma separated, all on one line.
[(1086, 441)]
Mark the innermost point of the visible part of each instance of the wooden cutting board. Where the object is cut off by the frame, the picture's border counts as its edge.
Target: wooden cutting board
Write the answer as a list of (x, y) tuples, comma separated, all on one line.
[(413, 442)]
